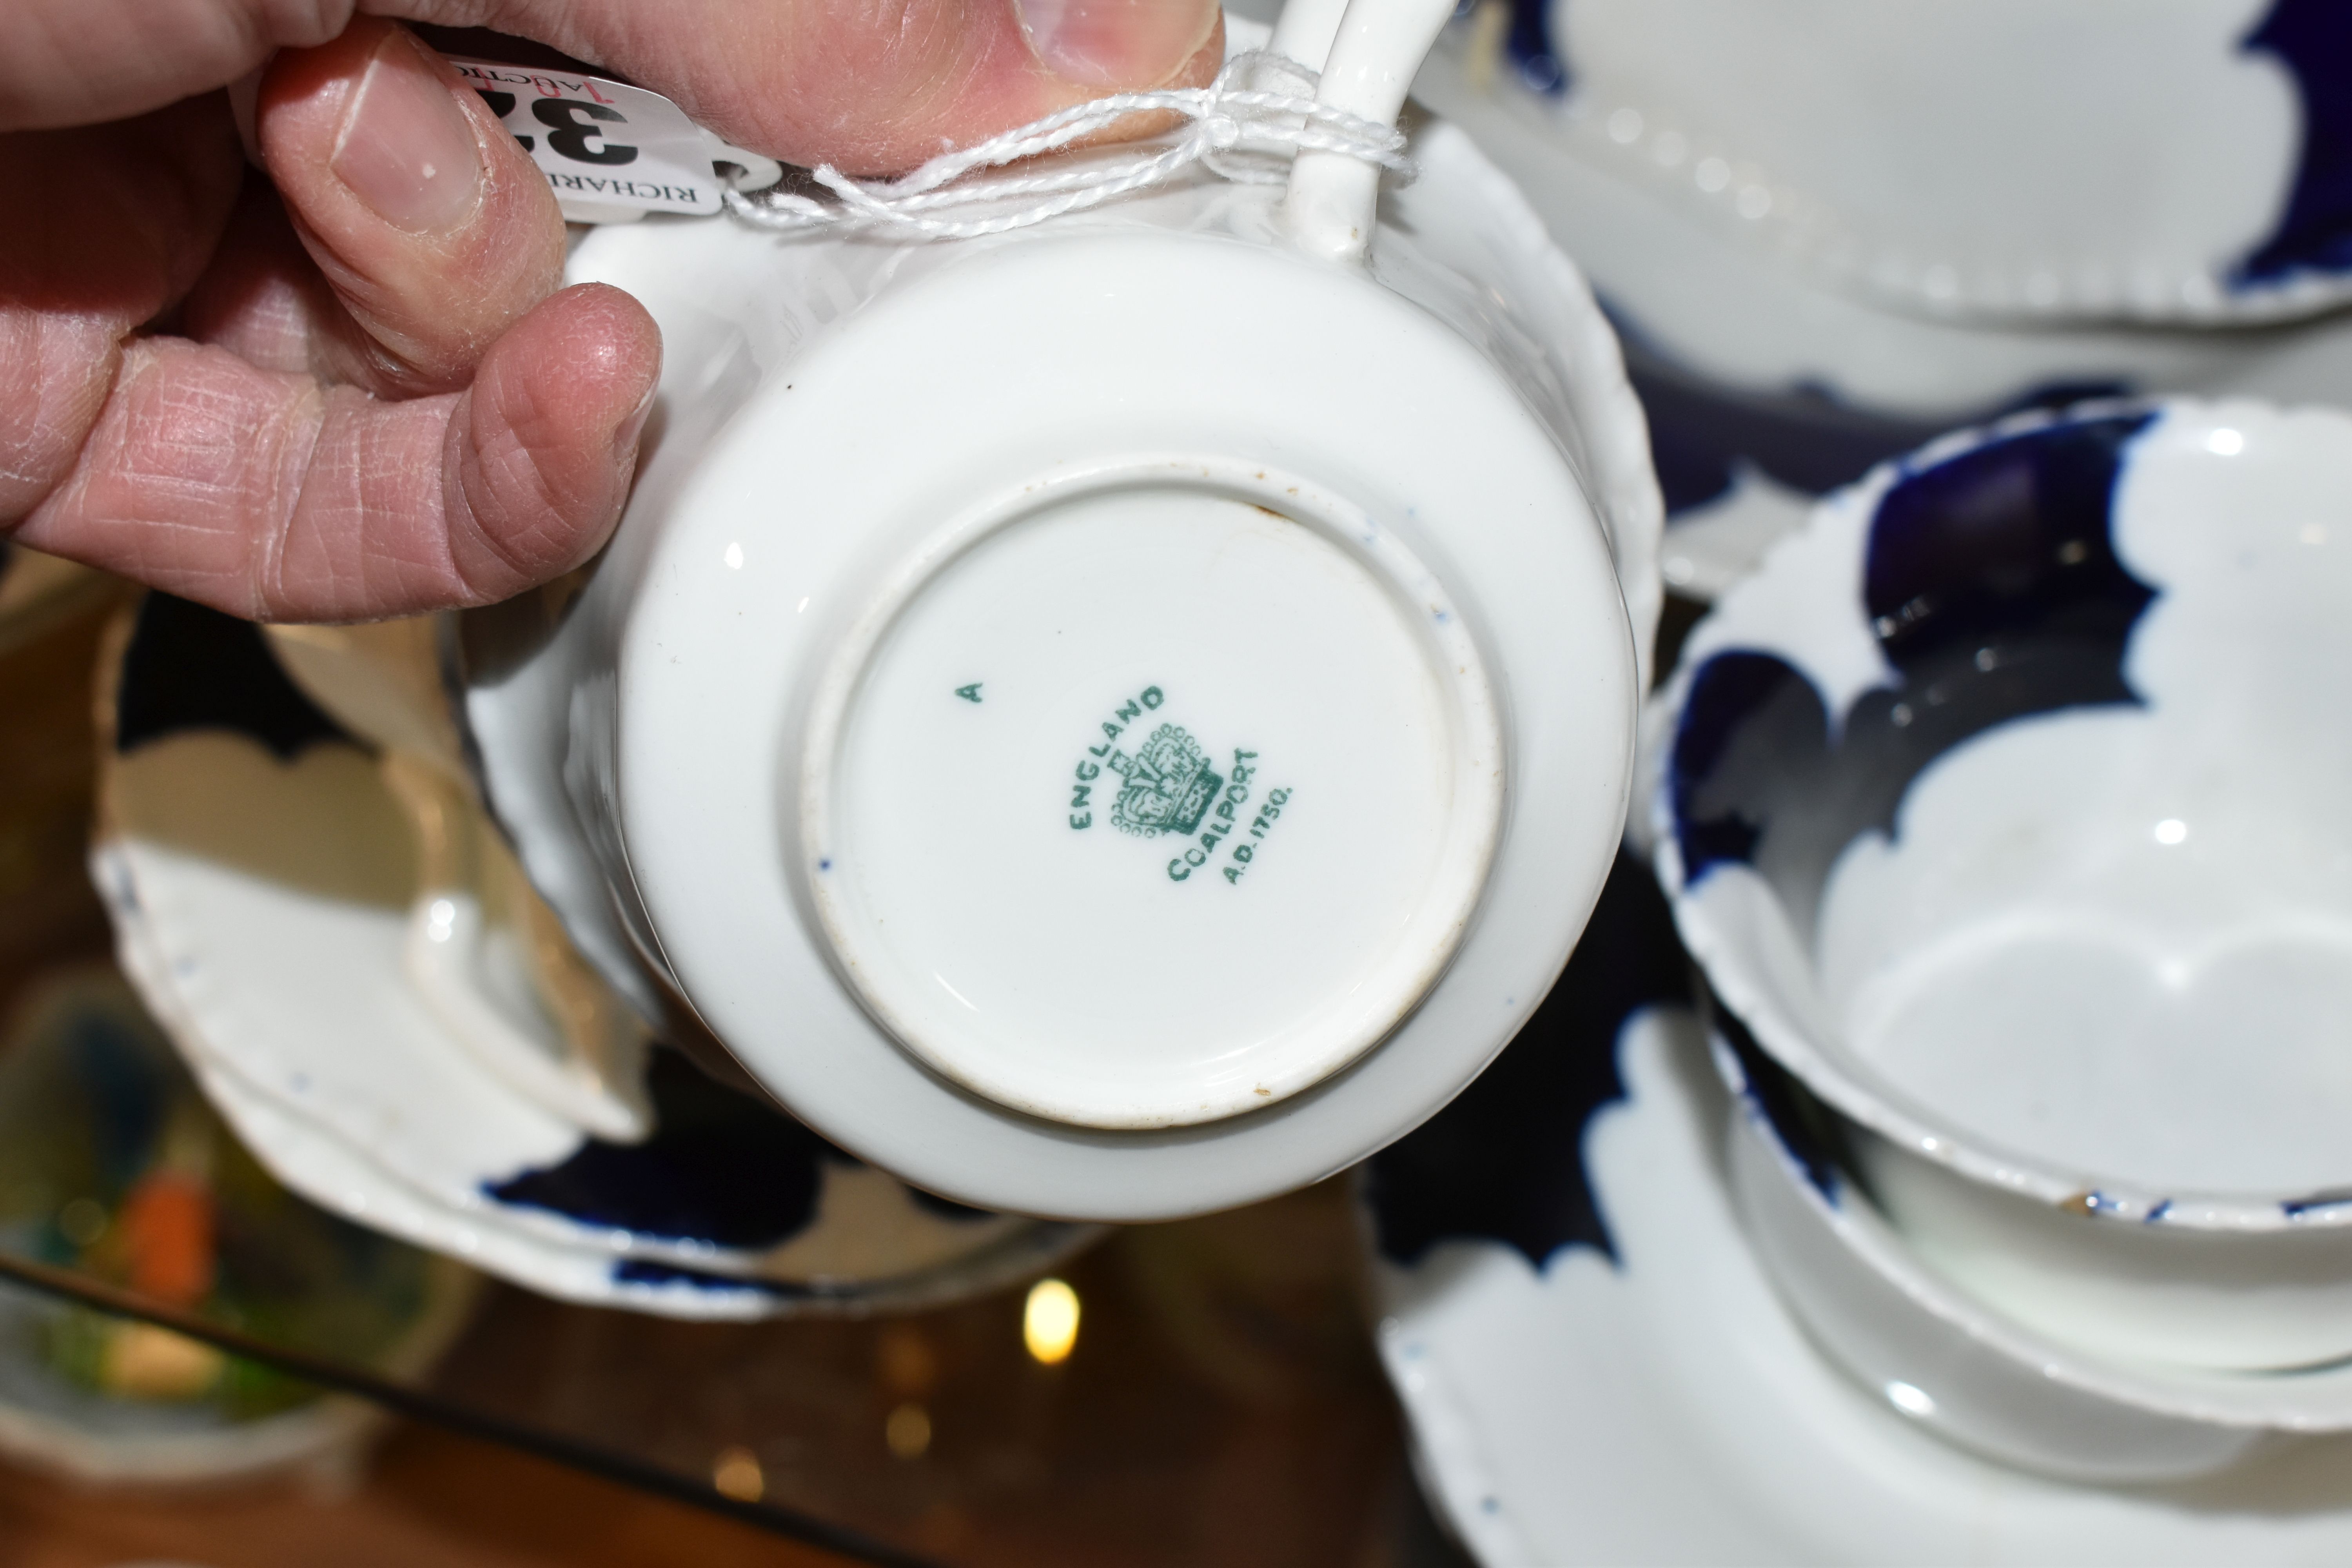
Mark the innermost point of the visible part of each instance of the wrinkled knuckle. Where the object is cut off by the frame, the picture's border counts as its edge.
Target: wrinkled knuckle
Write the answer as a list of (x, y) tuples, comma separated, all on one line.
[(55, 373), (514, 521)]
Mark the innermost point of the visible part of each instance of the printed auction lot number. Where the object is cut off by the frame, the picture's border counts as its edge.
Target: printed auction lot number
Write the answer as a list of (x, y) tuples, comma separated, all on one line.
[(575, 127)]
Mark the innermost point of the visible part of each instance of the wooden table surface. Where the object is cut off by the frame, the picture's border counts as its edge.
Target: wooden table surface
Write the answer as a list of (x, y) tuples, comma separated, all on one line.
[(429, 1500)]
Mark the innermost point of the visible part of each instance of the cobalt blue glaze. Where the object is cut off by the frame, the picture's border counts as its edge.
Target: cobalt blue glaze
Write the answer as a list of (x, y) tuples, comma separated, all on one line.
[(1529, 46), (637, 1271), (2312, 38), (719, 1168), (1807, 438), (1725, 697), (2010, 536), (1801, 1125), (2297, 1208), (1504, 1162), (1991, 583), (189, 667)]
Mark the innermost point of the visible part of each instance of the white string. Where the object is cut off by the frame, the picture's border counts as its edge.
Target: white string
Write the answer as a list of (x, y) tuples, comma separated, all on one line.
[(1238, 130)]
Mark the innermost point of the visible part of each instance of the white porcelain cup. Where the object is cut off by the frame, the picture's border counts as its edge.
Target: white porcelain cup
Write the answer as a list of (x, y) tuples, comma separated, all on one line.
[(1112, 719)]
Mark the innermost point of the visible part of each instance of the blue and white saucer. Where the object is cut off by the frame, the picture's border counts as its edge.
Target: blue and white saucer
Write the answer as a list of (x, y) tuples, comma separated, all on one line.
[(1693, 168), (259, 877), (1596, 1370)]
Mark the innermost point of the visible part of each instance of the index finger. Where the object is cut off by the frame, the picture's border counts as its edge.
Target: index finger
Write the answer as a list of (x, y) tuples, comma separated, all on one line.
[(78, 62), (870, 89)]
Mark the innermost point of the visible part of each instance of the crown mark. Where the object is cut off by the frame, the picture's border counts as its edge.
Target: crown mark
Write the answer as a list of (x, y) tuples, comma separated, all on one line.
[(1166, 786)]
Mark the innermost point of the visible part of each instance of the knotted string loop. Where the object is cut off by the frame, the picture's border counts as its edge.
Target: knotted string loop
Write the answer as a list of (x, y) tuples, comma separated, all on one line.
[(1239, 128)]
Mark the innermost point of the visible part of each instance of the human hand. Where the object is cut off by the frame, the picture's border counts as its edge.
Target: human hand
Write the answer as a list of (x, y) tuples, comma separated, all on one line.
[(354, 388)]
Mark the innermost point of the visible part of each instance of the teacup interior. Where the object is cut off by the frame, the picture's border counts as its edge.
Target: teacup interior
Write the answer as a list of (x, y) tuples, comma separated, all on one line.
[(2073, 882)]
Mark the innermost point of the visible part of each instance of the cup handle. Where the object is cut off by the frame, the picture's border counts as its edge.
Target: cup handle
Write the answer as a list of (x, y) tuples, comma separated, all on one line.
[(1374, 51), (1305, 31)]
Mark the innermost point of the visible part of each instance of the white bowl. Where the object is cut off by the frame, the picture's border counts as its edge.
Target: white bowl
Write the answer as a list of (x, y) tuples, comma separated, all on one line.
[(1937, 1354), (2002, 806)]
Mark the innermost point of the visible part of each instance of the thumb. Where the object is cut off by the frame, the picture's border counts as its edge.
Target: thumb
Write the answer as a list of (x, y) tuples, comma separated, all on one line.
[(432, 226), (872, 88)]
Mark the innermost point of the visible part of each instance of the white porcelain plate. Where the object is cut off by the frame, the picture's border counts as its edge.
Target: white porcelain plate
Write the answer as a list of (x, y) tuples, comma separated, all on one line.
[(2003, 159), (1767, 385)]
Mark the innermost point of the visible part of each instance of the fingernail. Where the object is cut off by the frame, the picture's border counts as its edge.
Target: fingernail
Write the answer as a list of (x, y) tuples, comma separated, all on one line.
[(625, 434), (1116, 43), (406, 148)]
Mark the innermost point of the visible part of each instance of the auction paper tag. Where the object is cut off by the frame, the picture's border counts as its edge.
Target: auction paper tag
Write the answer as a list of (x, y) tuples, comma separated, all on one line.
[(611, 150)]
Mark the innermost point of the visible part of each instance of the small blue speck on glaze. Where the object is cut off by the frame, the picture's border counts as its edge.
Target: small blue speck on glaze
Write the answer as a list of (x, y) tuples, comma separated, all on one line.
[(2158, 1212), (1492, 1505), (2297, 1208), (824, 865)]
